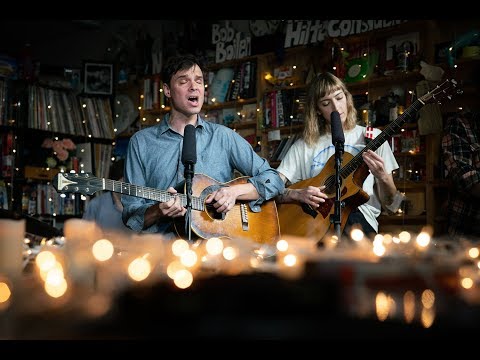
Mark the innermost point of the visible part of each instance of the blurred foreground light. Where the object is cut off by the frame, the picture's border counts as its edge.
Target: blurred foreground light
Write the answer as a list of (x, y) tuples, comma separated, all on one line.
[(230, 253), (55, 276), (179, 247), (183, 279), (467, 283), (5, 292), (378, 248), (428, 298), (98, 305), (290, 260), (409, 306), (173, 268), (214, 246), (356, 234), (139, 269), (427, 317), (102, 250), (473, 252), (404, 237), (56, 289), (57, 268), (423, 239), (282, 245), (382, 306), (189, 258), (45, 260)]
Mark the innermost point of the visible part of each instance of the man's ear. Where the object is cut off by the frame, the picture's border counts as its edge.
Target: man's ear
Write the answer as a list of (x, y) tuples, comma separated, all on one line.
[(166, 90)]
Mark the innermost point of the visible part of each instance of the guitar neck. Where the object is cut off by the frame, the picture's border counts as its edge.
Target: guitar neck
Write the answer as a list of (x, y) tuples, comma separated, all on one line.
[(149, 193), (373, 145), (88, 185)]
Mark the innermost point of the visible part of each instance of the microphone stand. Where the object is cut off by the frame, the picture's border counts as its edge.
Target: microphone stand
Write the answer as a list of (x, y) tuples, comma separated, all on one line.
[(336, 218), (189, 173)]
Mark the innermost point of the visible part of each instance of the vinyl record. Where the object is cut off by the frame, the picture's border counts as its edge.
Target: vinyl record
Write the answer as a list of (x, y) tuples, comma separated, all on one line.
[(357, 70), (125, 112)]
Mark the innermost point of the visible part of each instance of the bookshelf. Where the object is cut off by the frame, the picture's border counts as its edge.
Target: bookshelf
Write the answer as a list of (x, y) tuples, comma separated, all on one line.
[(39, 121), (419, 176)]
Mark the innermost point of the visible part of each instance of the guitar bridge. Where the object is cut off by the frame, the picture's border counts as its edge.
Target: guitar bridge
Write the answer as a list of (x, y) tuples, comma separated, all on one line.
[(244, 217)]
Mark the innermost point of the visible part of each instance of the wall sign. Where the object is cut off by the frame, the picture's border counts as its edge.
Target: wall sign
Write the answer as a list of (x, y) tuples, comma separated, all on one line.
[(303, 32), (229, 44)]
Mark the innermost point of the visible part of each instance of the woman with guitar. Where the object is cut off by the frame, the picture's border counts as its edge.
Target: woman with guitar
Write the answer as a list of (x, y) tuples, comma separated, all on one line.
[(306, 168), (162, 158)]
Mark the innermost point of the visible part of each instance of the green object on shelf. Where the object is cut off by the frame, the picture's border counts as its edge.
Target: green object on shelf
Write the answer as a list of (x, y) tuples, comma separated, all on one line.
[(359, 69)]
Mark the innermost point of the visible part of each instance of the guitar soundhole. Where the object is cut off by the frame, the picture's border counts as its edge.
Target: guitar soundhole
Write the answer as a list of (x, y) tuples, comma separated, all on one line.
[(330, 183), (211, 210)]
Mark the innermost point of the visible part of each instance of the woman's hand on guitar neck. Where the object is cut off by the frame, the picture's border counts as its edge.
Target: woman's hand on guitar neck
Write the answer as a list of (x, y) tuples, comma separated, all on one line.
[(375, 164), (385, 184)]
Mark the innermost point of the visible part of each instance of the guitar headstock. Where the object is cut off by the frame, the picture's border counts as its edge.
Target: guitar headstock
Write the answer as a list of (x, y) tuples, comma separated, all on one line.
[(76, 183), (445, 90)]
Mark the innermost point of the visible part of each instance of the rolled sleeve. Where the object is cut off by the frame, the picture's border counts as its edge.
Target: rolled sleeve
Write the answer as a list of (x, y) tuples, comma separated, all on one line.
[(268, 185)]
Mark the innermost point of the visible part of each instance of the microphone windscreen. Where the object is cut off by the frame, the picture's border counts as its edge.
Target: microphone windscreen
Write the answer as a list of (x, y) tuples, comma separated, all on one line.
[(189, 151), (336, 126)]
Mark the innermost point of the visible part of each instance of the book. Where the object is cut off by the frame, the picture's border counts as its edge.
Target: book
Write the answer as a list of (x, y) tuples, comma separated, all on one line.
[(248, 113), (229, 116), (219, 87)]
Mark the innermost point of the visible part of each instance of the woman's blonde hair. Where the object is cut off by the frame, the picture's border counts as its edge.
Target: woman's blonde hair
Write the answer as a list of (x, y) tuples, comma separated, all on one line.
[(315, 124)]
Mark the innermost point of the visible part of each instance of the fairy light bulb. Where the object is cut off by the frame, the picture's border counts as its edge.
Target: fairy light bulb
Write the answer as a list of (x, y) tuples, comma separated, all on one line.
[(139, 269), (56, 290), (179, 246), (102, 250), (230, 253), (189, 258), (5, 292), (214, 246)]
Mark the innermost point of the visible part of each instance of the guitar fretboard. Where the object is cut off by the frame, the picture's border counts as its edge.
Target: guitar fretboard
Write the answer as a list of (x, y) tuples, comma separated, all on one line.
[(149, 193), (86, 183), (373, 145)]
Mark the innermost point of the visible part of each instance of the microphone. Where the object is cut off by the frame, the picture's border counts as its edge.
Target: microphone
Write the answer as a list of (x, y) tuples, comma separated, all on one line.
[(189, 152), (338, 139), (189, 158), (337, 130)]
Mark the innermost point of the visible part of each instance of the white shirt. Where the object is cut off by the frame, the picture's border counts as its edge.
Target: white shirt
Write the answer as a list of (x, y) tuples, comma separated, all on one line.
[(302, 162)]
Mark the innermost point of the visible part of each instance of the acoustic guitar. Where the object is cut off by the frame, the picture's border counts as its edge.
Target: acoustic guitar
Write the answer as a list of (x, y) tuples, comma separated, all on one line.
[(239, 222), (304, 221)]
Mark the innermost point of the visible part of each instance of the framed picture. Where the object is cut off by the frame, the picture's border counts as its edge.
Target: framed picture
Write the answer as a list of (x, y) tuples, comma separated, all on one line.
[(73, 77), (98, 78)]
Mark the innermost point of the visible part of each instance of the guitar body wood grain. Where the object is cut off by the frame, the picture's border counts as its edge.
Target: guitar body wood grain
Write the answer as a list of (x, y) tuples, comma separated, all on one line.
[(239, 222), (305, 221)]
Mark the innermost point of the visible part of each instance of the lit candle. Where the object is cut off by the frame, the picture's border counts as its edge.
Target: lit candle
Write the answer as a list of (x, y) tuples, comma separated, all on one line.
[(12, 234), (80, 235)]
